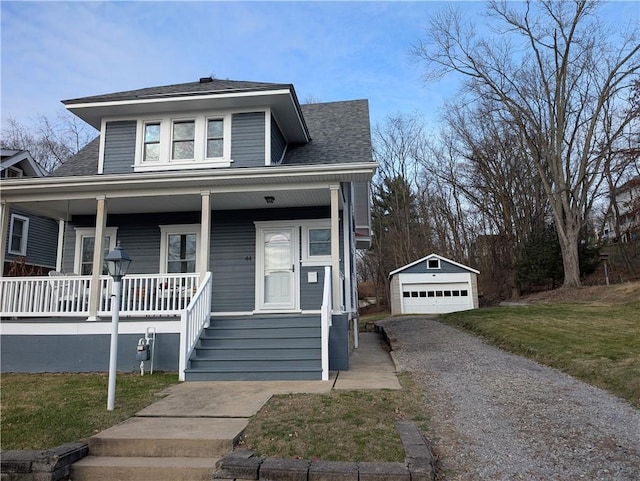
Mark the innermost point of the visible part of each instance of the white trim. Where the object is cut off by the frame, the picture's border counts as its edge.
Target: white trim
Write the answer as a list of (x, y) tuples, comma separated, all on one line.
[(103, 136), (165, 231), (178, 98), (306, 258), (431, 256), (267, 136), (200, 159), (84, 328), (81, 232), (25, 234)]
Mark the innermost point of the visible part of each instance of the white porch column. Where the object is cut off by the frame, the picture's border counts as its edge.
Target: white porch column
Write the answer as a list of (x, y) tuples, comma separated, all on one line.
[(205, 234), (62, 227), (4, 231), (98, 251), (335, 245)]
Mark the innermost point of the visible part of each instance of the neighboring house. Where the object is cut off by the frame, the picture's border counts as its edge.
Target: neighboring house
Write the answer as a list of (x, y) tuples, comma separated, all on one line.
[(627, 210), (433, 285), (234, 201), (30, 240)]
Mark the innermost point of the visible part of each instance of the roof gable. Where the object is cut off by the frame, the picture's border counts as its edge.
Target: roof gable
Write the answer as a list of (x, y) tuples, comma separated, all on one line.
[(23, 160), (433, 256)]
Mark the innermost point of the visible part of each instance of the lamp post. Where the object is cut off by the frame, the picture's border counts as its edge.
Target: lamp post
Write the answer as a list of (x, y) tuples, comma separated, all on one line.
[(118, 263)]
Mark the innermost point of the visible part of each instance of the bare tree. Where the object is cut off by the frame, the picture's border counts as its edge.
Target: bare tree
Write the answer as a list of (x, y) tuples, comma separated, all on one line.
[(561, 83), (50, 142)]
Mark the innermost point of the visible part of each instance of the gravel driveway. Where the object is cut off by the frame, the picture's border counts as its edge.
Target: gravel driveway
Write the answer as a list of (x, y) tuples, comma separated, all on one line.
[(498, 416)]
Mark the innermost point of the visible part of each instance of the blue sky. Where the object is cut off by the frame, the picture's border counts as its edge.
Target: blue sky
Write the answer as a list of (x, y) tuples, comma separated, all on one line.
[(52, 51)]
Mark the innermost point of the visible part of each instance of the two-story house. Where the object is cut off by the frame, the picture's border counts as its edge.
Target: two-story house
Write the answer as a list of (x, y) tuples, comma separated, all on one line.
[(232, 199), (30, 239), (625, 209)]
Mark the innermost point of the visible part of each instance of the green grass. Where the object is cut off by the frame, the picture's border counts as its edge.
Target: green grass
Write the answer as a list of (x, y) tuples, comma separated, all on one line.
[(337, 426), (41, 411), (598, 343)]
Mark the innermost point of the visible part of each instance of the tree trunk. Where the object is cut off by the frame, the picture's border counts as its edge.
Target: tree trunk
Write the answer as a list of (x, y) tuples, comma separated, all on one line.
[(570, 257)]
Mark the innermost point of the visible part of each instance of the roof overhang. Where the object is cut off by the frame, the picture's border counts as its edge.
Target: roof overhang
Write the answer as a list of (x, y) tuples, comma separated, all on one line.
[(292, 186), (282, 102), (11, 158)]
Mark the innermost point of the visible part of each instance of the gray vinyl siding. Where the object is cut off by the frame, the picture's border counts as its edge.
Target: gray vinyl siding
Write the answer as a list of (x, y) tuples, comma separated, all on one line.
[(82, 353), (445, 268), (311, 293), (278, 143), (119, 147), (361, 203), (248, 139), (42, 241)]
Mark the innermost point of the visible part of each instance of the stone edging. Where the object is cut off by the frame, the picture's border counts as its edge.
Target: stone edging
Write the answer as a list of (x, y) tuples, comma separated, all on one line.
[(51, 465), (418, 465)]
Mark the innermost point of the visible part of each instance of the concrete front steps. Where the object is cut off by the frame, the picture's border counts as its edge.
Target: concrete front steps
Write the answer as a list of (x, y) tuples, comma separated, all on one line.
[(159, 449), (258, 348)]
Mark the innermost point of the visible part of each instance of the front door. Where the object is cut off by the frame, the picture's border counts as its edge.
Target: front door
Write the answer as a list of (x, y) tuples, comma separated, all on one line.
[(277, 289)]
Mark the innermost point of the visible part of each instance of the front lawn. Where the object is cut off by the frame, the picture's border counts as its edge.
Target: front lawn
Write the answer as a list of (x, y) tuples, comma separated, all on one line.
[(41, 411), (598, 343)]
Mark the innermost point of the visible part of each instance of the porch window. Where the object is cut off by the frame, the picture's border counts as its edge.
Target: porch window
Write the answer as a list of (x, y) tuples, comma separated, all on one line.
[(316, 243), (85, 247), (18, 235), (179, 248), (152, 142), (215, 138), (183, 142)]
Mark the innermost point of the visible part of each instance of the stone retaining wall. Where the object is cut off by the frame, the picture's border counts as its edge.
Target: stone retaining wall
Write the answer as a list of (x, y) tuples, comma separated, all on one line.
[(49, 465)]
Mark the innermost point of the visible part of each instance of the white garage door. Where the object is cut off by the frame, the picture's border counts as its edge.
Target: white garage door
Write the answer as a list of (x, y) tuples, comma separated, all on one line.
[(436, 298)]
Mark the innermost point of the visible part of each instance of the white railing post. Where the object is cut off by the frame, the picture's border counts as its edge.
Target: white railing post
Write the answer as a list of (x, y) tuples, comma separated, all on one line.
[(325, 322)]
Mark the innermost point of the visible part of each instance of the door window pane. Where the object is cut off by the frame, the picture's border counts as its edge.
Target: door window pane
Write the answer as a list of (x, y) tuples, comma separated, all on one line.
[(181, 254)]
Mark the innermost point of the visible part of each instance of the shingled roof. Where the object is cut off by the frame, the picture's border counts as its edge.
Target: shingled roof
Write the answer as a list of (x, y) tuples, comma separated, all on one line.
[(340, 133), (206, 86)]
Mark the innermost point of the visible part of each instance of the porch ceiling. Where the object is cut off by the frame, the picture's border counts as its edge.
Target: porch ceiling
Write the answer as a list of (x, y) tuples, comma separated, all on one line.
[(182, 203)]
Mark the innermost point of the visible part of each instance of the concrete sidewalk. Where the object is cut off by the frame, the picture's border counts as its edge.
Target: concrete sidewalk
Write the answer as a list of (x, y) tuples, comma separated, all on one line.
[(204, 420)]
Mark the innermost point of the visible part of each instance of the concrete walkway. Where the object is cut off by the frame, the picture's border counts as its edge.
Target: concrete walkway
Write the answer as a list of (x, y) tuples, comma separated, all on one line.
[(205, 419)]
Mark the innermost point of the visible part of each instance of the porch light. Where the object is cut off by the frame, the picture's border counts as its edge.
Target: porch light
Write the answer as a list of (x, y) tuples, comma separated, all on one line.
[(118, 264)]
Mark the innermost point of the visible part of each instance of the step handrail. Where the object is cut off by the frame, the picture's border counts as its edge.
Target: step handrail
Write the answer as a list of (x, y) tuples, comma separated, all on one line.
[(325, 322), (193, 320)]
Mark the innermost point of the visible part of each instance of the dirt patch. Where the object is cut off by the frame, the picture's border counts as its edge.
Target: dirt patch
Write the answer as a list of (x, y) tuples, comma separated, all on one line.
[(613, 294)]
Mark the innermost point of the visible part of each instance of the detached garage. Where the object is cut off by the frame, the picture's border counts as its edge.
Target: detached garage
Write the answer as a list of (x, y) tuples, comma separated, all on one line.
[(433, 285)]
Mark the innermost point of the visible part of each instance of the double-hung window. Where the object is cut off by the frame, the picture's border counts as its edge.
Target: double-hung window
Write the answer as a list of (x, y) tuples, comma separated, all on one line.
[(183, 140), (18, 235), (316, 243), (85, 247), (215, 138), (151, 142), (179, 248)]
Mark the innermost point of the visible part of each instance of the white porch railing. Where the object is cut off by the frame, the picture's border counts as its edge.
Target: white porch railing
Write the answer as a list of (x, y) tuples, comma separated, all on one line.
[(193, 320), (68, 296), (325, 322)]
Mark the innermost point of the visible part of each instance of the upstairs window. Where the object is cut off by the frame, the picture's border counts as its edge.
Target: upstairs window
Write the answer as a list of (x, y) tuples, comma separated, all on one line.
[(151, 142), (12, 172), (215, 138), (183, 143), (201, 141)]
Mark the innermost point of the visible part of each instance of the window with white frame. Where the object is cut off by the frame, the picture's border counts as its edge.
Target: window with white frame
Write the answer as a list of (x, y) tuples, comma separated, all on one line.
[(18, 234), (183, 140), (179, 248), (316, 242), (169, 143), (433, 263), (12, 172), (85, 247)]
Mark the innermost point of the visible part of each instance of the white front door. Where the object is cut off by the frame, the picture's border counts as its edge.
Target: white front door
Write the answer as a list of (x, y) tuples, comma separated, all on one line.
[(277, 277)]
